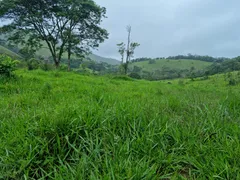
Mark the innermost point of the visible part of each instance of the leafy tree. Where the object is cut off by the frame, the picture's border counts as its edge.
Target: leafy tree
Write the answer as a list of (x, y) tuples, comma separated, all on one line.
[(128, 49), (83, 31), (63, 25)]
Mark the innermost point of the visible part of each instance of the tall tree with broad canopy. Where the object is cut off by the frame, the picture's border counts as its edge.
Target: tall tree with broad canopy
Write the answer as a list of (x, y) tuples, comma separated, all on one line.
[(71, 26)]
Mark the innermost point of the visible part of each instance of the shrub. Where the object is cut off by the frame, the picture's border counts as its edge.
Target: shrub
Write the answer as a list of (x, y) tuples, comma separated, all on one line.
[(63, 67), (232, 82), (33, 64), (134, 75), (152, 61), (181, 82), (46, 66), (7, 65), (123, 77)]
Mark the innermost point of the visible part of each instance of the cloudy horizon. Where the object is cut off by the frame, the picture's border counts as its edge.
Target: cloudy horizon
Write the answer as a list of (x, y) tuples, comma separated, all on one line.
[(167, 28)]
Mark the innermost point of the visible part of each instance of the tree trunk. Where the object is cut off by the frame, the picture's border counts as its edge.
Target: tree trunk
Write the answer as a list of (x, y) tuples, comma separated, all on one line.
[(57, 64), (69, 60), (125, 68), (128, 48), (55, 60)]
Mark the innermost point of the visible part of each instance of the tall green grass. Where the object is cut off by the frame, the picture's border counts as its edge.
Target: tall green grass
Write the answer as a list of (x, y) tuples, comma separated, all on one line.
[(56, 125)]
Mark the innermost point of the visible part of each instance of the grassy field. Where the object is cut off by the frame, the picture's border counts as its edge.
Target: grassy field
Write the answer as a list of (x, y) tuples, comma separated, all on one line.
[(8, 52), (172, 64), (58, 125)]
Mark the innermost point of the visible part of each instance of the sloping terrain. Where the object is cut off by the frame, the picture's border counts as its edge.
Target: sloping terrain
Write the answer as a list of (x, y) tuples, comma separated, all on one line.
[(172, 64), (104, 59), (8, 52), (58, 125), (45, 52)]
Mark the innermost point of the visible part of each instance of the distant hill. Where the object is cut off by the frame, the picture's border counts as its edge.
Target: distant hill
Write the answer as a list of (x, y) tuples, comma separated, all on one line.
[(45, 53), (180, 64), (8, 52), (103, 59), (158, 69)]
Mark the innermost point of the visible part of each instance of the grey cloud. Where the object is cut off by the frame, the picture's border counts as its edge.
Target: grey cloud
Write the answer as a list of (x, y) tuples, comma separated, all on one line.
[(171, 27)]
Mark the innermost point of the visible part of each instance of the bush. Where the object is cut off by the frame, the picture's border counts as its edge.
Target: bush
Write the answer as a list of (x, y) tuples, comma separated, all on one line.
[(152, 61), (7, 65), (181, 82), (232, 82), (46, 66), (134, 75), (33, 64), (63, 67), (123, 77)]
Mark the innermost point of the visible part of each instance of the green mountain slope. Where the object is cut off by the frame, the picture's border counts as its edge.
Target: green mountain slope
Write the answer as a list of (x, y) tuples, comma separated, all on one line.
[(103, 59), (45, 52), (8, 52), (172, 64)]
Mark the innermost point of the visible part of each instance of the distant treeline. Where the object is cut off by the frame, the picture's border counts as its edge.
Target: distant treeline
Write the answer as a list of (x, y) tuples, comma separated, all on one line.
[(224, 67), (189, 56), (199, 57), (146, 59)]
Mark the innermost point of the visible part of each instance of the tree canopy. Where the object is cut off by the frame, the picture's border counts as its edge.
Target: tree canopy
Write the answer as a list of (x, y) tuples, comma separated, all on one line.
[(71, 26)]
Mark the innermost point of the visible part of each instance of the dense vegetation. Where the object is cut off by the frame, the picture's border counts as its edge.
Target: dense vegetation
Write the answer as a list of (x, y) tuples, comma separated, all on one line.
[(57, 125), (225, 66)]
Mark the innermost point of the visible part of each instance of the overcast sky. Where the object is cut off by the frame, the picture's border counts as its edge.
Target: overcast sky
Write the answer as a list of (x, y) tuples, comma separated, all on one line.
[(172, 27)]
